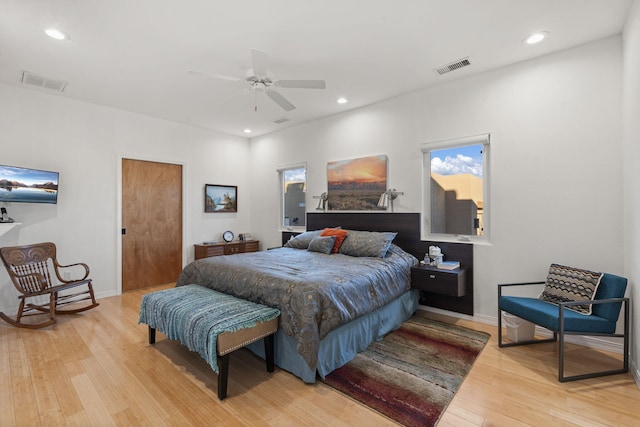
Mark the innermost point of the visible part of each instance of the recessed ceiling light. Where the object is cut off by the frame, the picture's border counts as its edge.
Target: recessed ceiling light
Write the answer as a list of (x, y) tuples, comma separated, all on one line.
[(536, 37), (342, 100), (56, 34), (247, 130)]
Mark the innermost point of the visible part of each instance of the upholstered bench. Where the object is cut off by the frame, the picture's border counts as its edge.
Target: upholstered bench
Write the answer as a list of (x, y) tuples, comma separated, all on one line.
[(211, 323)]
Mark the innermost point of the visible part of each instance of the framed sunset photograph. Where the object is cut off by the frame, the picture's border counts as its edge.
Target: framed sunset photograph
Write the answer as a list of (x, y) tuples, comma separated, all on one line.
[(356, 184)]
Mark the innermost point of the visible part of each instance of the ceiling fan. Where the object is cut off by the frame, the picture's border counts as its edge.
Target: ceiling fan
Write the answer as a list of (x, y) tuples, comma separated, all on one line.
[(260, 79)]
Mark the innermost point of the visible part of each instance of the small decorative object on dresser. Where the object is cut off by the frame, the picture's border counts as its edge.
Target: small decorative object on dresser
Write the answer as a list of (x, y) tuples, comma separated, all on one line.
[(5, 217), (228, 236)]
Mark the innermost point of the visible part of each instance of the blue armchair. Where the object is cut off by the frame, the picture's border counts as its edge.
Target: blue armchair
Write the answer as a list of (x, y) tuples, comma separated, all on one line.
[(563, 321)]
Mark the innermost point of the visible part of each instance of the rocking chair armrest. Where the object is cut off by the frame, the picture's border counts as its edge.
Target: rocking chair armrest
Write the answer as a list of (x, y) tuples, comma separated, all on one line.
[(86, 272)]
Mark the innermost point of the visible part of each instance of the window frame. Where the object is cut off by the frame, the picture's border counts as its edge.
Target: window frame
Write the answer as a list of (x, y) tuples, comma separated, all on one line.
[(426, 149), (281, 193)]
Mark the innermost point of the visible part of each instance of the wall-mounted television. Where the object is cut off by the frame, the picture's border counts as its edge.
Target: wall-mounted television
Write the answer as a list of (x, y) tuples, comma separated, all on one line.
[(28, 185)]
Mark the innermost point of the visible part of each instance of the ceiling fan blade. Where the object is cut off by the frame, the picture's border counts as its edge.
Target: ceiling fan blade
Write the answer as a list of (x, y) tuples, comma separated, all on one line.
[(280, 100), (214, 76), (302, 84), (259, 60)]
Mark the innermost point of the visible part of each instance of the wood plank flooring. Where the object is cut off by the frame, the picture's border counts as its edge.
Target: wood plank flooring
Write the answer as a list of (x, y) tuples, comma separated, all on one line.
[(97, 369)]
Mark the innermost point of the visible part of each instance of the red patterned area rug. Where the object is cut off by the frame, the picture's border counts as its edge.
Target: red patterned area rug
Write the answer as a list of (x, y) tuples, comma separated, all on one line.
[(414, 372)]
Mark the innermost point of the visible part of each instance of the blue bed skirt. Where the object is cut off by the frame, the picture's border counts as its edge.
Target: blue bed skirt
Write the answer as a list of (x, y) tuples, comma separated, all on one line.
[(342, 344)]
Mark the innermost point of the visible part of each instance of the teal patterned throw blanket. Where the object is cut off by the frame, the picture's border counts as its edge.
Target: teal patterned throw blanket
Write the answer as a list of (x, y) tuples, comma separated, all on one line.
[(195, 316)]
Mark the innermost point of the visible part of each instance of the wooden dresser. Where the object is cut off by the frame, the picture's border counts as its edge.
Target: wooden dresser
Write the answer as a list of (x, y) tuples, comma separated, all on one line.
[(205, 250)]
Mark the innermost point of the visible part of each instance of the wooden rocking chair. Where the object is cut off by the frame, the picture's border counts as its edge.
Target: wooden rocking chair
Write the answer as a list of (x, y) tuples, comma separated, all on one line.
[(29, 268)]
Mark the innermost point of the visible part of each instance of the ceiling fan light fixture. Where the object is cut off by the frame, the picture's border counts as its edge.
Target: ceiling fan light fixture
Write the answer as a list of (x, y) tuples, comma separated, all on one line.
[(536, 37), (261, 81), (54, 33)]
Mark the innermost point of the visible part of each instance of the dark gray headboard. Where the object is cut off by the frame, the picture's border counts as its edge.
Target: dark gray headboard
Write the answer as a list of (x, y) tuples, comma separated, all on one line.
[(407, 225)]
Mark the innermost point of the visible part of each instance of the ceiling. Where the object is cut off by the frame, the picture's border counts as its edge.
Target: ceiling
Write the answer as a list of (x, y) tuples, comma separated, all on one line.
[(134, 55)]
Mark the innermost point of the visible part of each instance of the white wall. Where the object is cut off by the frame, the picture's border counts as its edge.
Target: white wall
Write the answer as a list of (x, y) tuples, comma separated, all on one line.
[(556, 180), (631, 146), (86, 143)]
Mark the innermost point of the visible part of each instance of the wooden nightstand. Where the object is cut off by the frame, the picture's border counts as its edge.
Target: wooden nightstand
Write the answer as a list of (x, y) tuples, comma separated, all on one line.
[(206, 250), (445, 282)]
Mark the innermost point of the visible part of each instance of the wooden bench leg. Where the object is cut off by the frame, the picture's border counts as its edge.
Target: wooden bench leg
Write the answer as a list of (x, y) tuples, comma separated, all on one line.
[(268, 351), (152, 335), (223, 376)]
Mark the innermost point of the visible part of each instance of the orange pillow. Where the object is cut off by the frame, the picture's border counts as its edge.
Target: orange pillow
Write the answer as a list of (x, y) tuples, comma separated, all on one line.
[(340, 236)]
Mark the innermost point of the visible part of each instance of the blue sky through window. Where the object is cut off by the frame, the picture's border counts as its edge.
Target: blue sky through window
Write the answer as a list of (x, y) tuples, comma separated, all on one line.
[(295, 175), (458, 160)]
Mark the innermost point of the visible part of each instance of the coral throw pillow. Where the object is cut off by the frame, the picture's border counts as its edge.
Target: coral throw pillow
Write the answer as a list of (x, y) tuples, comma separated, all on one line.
[(339, 234)]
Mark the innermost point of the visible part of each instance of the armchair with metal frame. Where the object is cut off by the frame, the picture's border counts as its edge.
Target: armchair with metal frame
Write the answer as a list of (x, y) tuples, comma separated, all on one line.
[(564, 322)]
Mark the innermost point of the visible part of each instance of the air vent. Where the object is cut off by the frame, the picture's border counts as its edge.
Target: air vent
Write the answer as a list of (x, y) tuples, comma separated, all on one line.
[(43, 82), (460, 63), (282, 120)]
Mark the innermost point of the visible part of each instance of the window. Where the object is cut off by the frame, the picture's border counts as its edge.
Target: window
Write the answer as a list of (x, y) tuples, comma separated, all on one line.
[(293, 187), (455, 189)]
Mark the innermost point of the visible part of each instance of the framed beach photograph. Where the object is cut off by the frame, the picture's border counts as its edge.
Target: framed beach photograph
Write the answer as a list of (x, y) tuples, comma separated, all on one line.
[(220, 198)]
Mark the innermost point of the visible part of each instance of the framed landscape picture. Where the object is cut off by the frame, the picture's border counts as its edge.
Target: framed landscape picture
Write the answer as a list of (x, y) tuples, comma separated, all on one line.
[(356, 184), (220, 198)]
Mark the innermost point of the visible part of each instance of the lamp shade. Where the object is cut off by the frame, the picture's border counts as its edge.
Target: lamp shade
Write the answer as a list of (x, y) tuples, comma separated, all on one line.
[(383, 202)]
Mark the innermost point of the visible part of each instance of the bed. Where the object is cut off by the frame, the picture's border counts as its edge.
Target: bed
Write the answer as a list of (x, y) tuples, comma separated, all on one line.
[(333, 304)]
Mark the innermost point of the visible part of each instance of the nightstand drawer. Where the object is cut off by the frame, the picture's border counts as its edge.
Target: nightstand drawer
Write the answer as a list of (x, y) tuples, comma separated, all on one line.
[(444, 282)]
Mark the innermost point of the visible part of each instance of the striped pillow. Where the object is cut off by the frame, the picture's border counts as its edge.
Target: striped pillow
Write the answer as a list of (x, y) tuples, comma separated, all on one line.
[(566, 284)]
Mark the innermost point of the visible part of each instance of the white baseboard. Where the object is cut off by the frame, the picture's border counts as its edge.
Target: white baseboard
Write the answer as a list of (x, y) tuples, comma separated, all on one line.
[(635, 372)]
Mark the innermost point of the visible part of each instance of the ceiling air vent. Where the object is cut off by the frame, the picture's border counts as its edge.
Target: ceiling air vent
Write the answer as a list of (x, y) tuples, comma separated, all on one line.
[(282, 120), (453, 66), (43, 82)]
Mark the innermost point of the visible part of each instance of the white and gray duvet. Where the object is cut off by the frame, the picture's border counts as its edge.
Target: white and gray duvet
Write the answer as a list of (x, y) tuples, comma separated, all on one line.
[(315, 292)]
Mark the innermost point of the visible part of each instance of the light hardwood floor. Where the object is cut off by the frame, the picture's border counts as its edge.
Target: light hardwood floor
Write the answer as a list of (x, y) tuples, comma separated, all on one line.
[(97, 369)]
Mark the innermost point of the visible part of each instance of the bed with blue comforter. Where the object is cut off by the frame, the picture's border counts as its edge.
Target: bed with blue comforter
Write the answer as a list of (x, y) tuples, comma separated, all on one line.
[(333, 305), (315, 292)]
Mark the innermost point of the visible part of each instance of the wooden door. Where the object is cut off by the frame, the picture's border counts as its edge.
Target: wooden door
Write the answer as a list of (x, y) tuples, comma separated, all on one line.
[(151, 223)]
